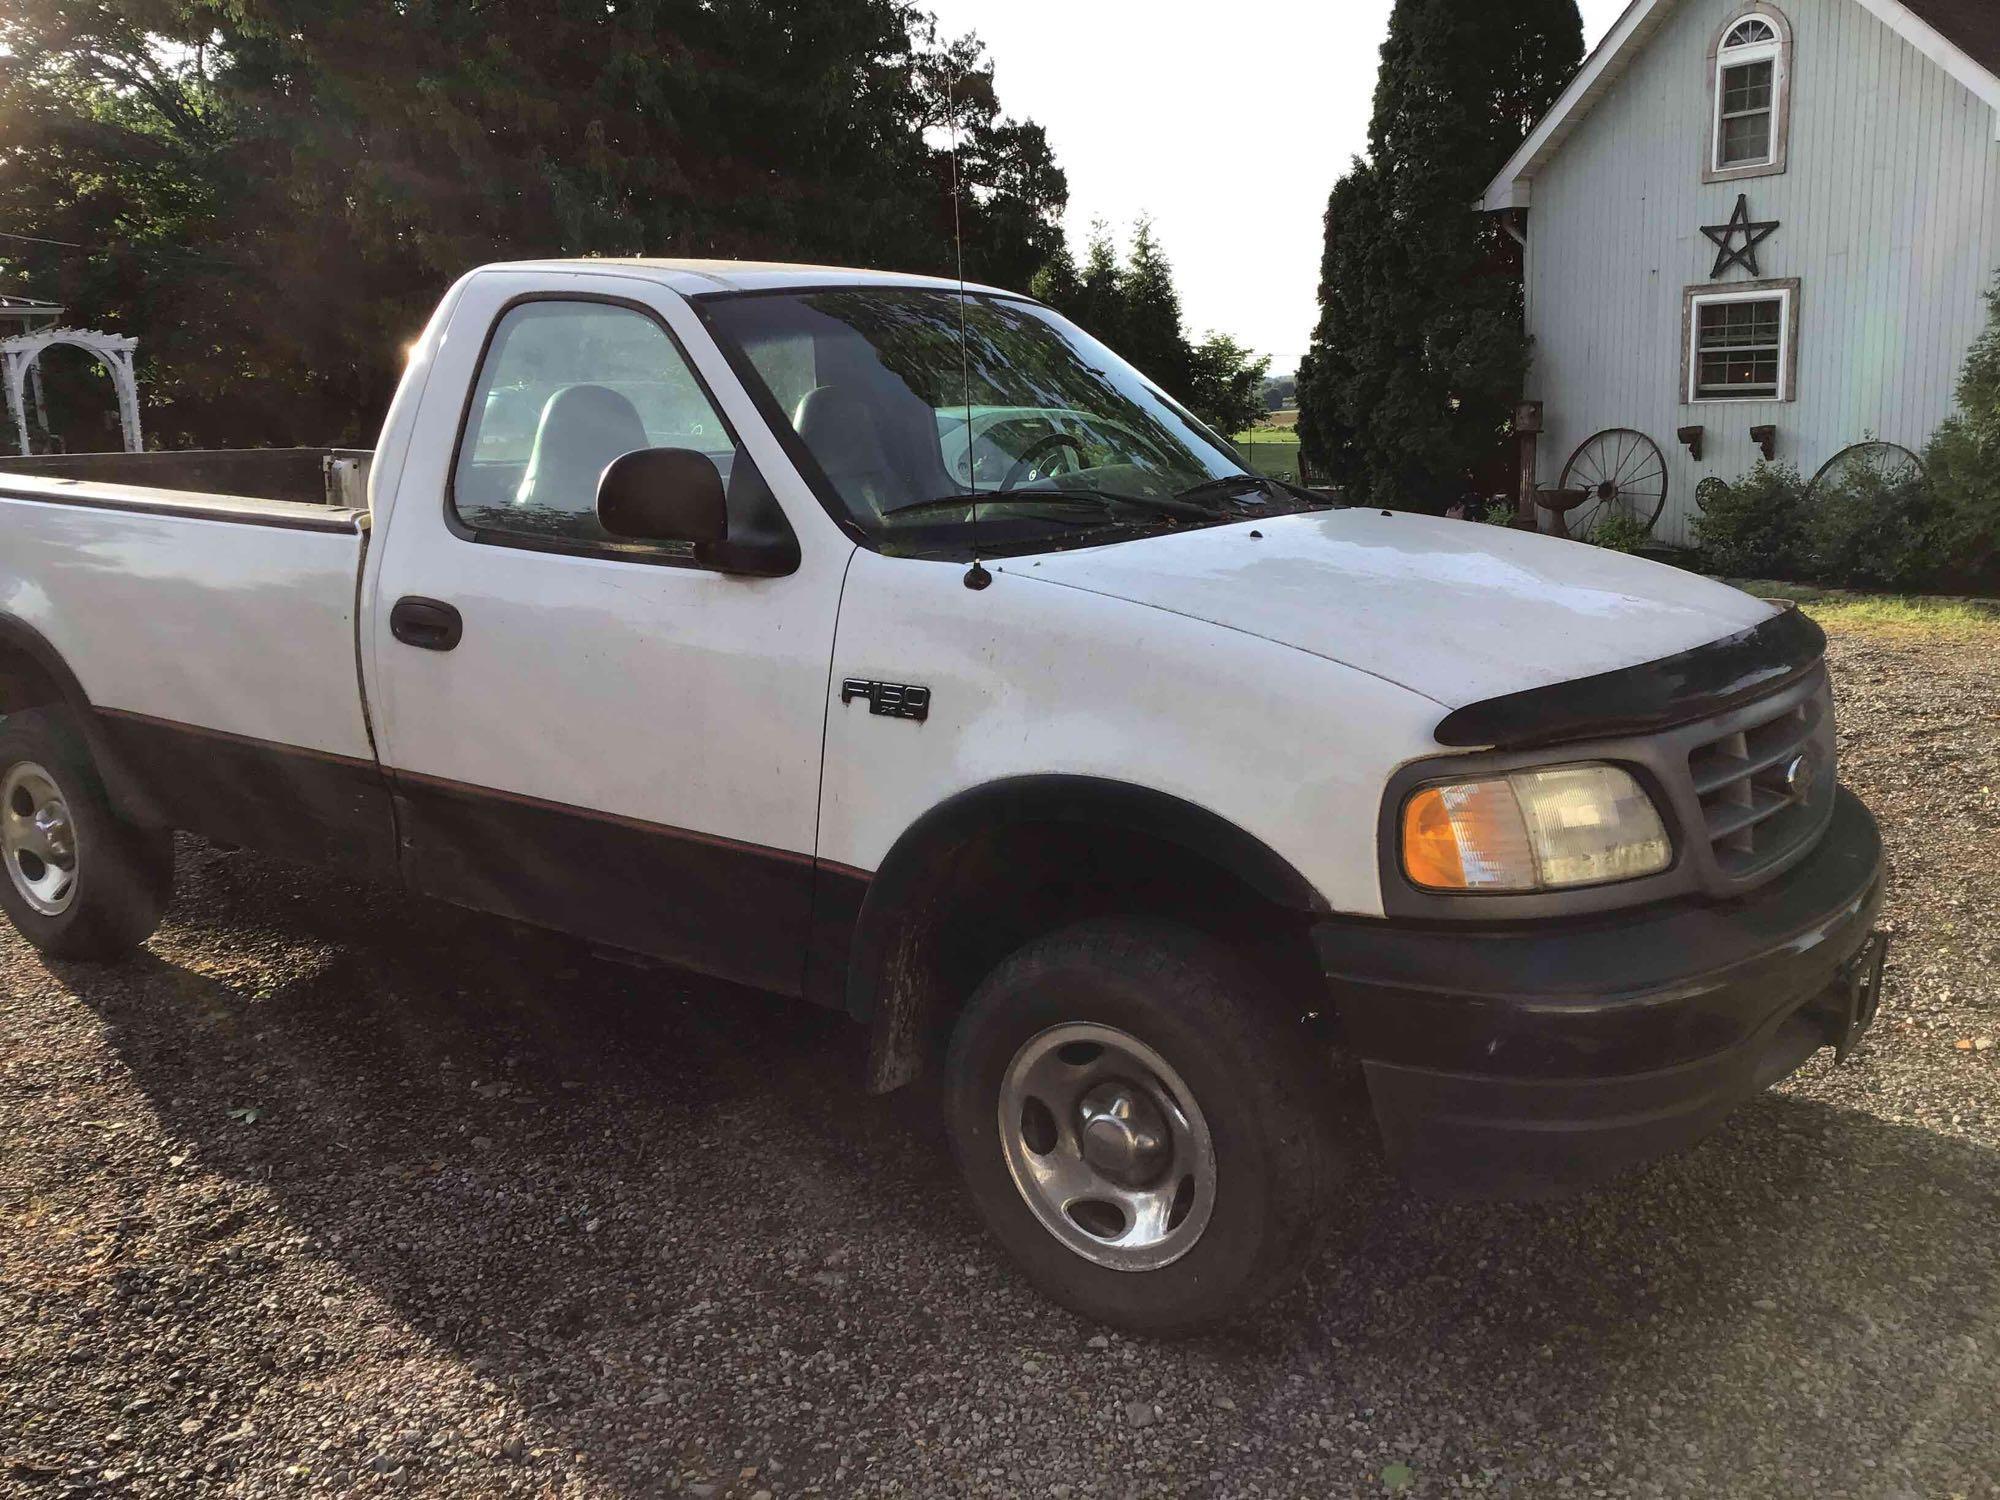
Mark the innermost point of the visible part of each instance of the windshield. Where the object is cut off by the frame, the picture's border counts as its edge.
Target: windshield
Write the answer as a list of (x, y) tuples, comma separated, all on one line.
[(1058, 438)]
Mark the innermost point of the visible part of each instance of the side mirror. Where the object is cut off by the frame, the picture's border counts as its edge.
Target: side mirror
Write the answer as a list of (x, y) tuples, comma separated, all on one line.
[(663, 495)]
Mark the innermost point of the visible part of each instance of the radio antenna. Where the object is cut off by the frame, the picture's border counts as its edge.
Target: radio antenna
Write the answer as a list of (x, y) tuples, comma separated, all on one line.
[(976, 576)]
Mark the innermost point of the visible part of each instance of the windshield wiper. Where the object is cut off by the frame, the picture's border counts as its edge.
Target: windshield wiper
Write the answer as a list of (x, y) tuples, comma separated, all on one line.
[(1277, 489), (1228, 486), (1101, 500)]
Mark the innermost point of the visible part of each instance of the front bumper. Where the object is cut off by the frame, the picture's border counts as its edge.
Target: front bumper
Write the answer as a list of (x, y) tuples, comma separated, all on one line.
[(1522, 1058)]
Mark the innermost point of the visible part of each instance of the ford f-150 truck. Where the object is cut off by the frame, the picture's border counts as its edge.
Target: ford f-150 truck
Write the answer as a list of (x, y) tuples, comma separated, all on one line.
[(895, 645)]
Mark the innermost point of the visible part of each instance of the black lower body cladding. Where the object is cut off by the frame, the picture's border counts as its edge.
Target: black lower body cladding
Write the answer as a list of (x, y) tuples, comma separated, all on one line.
[(1536, 1056)]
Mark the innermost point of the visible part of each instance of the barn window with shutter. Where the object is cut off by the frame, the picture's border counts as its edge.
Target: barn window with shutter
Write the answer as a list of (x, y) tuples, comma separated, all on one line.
[(1740, 344), (1748, 79)]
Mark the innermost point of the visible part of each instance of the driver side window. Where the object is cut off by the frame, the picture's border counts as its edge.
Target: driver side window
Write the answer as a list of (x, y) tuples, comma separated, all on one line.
[(563, 388)]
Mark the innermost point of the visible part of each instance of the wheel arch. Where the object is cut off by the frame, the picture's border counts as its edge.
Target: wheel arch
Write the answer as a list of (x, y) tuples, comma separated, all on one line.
[(968, 848), (33, 674)]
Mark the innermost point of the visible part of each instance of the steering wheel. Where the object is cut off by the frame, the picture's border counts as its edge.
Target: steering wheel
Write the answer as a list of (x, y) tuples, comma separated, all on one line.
[(1025, 464)]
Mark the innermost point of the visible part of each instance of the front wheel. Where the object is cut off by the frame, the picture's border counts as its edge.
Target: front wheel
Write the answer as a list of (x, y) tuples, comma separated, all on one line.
[(1139, 1124), (76, 880)]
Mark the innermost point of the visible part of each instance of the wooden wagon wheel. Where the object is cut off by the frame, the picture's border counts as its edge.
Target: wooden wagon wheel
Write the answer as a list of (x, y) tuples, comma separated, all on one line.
[(1891, 463), (1625, 474)]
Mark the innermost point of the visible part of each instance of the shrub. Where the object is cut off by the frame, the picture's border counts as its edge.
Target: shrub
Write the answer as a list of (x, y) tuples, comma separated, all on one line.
[(1755, 528), (1869, 529), (1939, 531), (1962, 472), (1619, 532)]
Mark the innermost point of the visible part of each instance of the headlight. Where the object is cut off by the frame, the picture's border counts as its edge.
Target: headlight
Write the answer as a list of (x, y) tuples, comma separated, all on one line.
[(1533, 831)]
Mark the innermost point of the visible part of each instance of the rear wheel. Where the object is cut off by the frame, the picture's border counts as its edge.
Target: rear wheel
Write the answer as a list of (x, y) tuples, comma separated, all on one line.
[(1139, 1124), (76, 880)]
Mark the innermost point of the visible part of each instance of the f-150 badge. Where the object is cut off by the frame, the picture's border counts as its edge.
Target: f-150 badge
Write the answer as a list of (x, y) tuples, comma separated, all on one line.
[(895, 700)]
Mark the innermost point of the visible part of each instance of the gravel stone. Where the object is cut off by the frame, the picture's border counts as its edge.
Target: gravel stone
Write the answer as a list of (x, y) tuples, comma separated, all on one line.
[(357, 1266)]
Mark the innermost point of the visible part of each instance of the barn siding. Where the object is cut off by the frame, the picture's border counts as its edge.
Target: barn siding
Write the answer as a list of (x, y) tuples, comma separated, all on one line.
[(1890, 218)]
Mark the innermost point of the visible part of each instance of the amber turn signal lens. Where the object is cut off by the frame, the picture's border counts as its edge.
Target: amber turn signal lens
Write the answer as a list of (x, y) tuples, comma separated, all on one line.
[(1430, 844), (1467, 836)]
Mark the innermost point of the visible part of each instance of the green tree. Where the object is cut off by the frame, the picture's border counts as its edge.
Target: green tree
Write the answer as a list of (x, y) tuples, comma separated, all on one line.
[(272, 193), (1151, 334), (1226, 384), (1093, 296), (1133, 306), (111, 135), (1962, 469), (1011, 192), (1419, 351)]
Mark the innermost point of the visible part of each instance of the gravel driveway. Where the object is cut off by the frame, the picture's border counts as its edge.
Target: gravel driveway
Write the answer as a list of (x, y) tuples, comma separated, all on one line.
[(331, 1193)]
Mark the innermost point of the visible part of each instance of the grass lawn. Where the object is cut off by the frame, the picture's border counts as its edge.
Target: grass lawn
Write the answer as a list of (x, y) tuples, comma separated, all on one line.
[(1272, 450), (1272, 421), (1898, 614)]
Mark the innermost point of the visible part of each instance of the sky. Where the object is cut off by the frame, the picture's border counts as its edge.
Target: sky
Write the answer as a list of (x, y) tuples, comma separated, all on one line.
[(1230, 136)]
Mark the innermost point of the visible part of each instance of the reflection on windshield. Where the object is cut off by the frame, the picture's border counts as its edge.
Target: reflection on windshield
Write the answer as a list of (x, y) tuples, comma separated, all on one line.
[(898, 411)]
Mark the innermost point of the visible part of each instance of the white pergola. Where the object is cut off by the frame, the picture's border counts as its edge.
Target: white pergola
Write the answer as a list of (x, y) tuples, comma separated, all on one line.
[(19, 353)]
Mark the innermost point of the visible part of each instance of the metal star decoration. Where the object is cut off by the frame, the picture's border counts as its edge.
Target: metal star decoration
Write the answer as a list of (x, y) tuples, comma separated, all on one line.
[(1745, 254)]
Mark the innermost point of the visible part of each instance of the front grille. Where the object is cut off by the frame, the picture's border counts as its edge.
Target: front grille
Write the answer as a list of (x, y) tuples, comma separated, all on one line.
[(1765, 786)]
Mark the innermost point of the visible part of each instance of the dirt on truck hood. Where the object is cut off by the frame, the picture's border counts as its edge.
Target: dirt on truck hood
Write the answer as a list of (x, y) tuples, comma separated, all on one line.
[(1454, 610)]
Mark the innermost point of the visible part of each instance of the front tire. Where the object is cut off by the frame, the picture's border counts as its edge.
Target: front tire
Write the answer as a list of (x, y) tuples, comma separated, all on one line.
[(76, 880), (1140, 1124)]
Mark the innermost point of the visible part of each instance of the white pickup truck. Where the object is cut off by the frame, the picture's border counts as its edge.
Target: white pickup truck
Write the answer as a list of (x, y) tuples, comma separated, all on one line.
[(895, 645)]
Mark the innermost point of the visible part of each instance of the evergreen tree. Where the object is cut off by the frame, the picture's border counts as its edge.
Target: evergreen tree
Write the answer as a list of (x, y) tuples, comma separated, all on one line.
[(1150, 311), (1419, 351), (1100, 302), (1962, 470), (1133, 306), (1055, 281)]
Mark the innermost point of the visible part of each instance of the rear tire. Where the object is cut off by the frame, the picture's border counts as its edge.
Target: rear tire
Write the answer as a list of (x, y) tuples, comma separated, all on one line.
[(76, 880), (1141, 1124)]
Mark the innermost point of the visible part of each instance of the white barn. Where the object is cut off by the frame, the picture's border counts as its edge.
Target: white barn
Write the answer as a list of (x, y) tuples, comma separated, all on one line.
[(1855, 145)]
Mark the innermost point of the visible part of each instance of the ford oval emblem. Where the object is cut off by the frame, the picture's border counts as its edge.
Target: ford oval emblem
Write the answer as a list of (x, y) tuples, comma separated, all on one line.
[(1799, 778)]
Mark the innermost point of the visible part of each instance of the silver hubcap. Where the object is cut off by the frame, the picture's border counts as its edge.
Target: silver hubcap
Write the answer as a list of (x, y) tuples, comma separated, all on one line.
[(37, 839), (1107, 1146)]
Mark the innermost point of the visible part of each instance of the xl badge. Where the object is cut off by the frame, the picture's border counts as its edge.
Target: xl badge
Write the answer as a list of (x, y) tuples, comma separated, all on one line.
[(894, 700)]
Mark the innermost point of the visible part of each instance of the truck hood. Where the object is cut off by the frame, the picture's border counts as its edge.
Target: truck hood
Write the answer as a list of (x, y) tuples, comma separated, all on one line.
[(1454, 610)]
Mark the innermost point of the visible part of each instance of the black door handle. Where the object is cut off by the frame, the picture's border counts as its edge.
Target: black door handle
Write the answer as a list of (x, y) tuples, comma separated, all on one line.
[(427, 623)]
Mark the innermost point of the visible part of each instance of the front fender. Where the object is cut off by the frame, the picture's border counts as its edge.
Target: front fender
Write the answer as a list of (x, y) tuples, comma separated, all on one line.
[(1029, 680), (1054, 704)]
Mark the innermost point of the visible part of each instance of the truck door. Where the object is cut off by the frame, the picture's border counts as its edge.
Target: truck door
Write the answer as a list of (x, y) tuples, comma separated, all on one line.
[(593, 735)]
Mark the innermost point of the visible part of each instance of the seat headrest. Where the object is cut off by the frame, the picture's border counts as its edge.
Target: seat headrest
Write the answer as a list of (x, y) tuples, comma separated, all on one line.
[(840, 429), (582, 428)]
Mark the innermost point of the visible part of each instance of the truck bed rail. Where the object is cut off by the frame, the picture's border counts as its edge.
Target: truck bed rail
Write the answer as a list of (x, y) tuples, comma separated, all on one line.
[(336, 477)]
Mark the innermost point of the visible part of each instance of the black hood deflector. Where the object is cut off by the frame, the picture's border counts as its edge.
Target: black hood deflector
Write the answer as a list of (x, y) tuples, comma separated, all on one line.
[(1690, 684)]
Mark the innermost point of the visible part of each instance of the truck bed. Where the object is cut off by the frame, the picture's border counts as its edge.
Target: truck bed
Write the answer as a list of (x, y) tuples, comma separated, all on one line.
[(196, 597)]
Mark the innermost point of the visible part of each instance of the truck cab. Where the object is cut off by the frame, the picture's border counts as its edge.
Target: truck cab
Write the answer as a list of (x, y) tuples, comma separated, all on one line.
[(891, 643)]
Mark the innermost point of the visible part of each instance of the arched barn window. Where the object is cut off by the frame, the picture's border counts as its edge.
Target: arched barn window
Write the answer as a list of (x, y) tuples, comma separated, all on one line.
[(1749, 86)]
